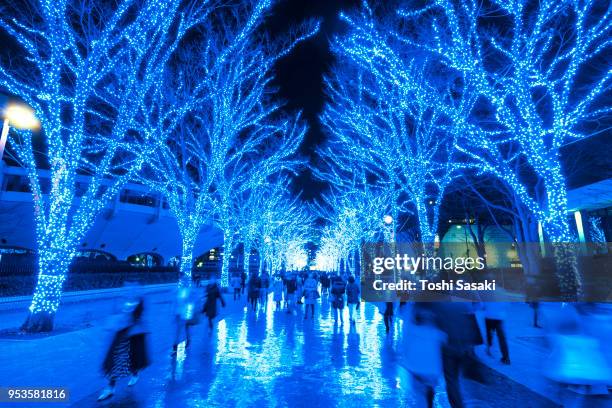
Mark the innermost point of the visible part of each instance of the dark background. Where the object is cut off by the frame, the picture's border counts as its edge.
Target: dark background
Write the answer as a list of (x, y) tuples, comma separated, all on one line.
[(299, 76)]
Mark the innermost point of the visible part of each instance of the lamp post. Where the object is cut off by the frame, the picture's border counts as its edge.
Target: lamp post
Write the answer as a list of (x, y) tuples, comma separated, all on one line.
[(388, 221), (19, 116)]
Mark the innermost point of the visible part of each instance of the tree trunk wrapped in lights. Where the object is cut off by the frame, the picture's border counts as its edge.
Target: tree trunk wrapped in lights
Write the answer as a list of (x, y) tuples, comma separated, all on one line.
[(245, 137), (534, 73), (89, 81), (225, 135)]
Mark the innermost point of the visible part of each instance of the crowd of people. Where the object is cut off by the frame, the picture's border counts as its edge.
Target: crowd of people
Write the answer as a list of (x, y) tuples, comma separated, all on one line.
[(438, 338), (294, 289)]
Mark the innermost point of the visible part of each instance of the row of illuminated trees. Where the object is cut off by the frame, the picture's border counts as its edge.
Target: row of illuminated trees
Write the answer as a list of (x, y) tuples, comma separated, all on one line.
[(425, 95), (173, 94)]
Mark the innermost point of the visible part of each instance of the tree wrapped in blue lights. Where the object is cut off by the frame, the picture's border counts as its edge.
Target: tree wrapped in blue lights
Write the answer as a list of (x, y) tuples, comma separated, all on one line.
[(253, 210), (541, 72), (183, 181), (90, 73), (286, 228), (243, 169), (387, 119), (354, 211), (247, 138), (225, 135)]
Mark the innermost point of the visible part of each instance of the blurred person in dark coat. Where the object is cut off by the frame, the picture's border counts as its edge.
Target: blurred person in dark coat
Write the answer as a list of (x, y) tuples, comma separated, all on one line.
[(458, 322), (352, 297), (213, 293), (127, 354), (254, 287)]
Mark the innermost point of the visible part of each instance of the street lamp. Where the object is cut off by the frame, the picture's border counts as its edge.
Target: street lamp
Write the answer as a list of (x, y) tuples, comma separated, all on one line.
[(19, 116), (388, 220)]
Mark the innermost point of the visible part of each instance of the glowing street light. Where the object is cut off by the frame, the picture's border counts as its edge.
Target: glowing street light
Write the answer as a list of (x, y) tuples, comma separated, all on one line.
[(19, 116), (388, 220)]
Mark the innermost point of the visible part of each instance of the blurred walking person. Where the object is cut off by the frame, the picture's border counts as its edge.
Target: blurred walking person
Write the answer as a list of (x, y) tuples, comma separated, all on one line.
[(263, 291), (300, 288), (459, 324), (423, 342), (495, 314), (338, 288), (185, 316), (579, 362), (254, 286), (243, 280), (535, 306), (213, 294), (325, 283), (291, 287), (278, 289), (127, 354), (388, 316), (352, 297), (236, 284), (311, 294)]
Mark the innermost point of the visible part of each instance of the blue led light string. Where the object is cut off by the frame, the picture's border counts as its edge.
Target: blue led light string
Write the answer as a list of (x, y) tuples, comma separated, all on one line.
[(386, 118), (91, 123), (538, 53)]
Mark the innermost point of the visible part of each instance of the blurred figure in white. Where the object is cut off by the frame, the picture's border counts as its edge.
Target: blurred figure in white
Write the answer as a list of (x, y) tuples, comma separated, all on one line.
[(278, 289), (578, 360), (185, 315), (311, 294), (423, 342)]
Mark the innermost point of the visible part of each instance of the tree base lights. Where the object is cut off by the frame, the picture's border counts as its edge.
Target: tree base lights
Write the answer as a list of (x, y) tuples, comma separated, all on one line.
[(45, 302)]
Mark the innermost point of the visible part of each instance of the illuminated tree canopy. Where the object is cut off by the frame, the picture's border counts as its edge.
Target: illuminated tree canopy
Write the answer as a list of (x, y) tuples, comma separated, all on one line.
[(512, 82), (180, 96), (91, 75), (233, 137)]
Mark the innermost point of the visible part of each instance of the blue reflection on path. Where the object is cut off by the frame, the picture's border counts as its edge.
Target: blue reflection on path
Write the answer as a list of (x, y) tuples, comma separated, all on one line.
[(272, 358)]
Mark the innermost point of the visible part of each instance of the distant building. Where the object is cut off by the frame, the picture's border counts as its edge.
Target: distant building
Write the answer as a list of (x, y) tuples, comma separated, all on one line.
[(590, 211), (137, 226)]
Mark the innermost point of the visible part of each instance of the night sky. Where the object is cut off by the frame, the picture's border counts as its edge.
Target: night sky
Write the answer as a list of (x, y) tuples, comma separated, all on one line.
[(299, 75)]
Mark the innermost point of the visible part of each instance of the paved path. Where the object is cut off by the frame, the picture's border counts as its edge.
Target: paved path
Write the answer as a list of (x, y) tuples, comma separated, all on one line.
[(264, 359)]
